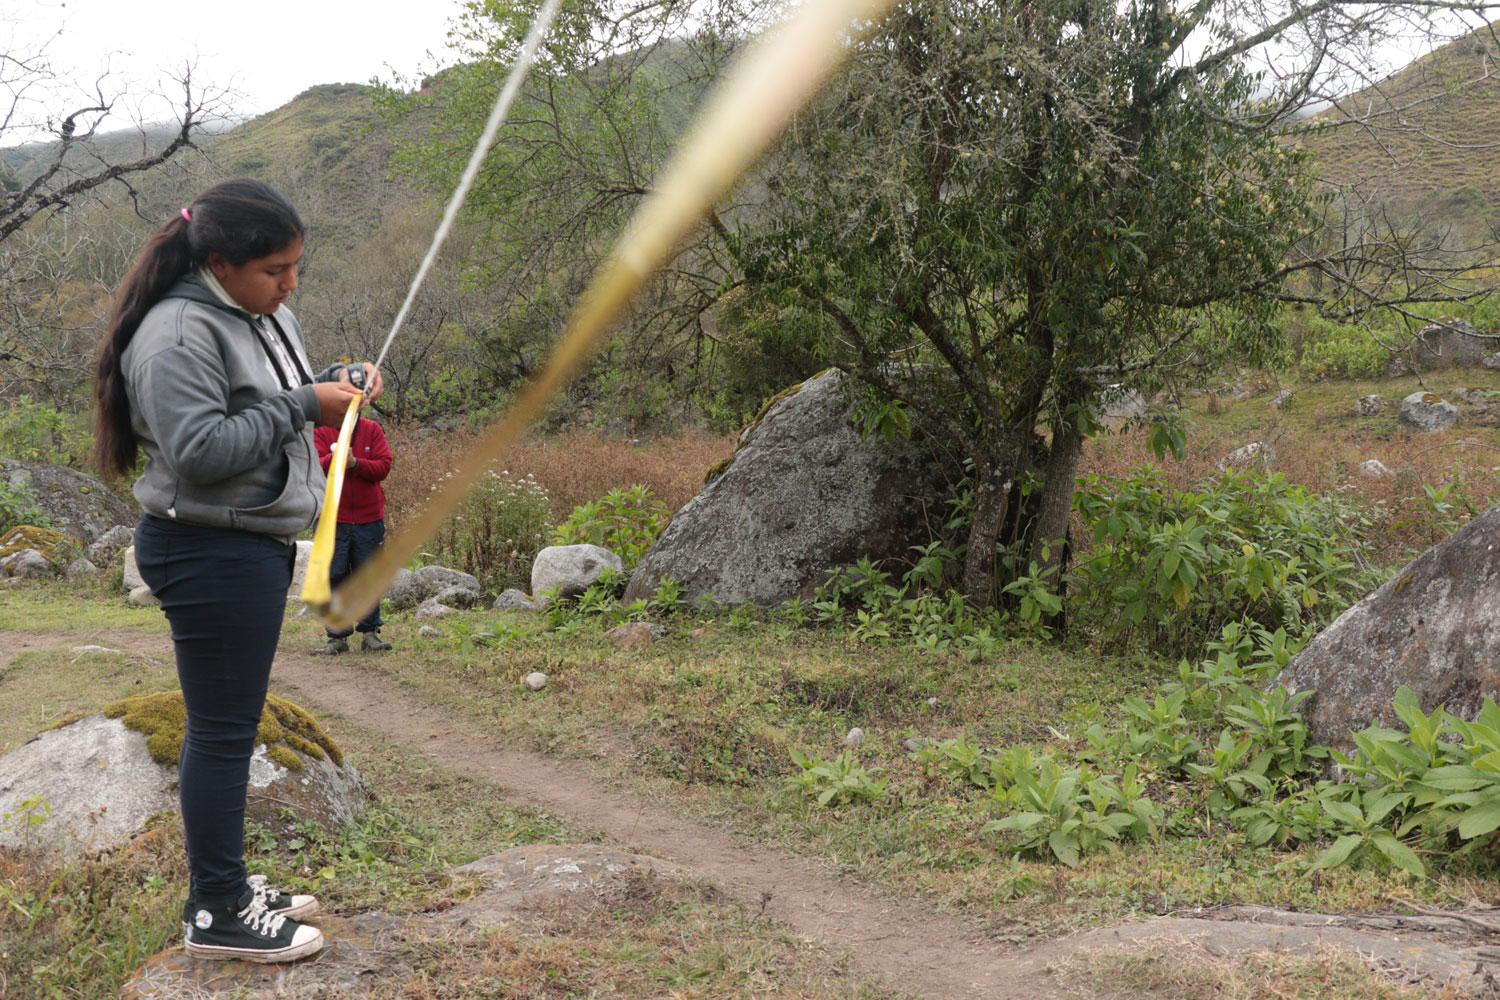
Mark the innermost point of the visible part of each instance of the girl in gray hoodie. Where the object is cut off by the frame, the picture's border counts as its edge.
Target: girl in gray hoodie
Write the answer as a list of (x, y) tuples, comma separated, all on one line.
[(203, 370)]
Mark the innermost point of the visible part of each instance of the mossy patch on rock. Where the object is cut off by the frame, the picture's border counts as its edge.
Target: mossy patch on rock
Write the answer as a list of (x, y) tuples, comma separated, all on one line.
[(286, 729), (54, 546)]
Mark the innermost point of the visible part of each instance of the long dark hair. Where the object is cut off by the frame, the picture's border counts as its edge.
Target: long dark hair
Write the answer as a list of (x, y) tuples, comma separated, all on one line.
[(241, 220)]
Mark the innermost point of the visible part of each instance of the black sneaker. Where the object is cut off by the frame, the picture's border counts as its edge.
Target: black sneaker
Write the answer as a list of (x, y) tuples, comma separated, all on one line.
[(334, 646), (248, 932), (285, 904), (372, 643)]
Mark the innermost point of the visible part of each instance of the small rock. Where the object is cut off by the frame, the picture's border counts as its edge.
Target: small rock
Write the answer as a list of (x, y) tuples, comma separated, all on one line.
[(914, 744), (1368, 406), (854, 737), (514, 600), (569, 570), (1256, 455), (1374, 468), (142, 597), (1427, 412), (432, 609), (108, 546), (1281, 400), (1492, 362), (441, 577), (536, 680), (429, 632), (80, 569), (131, 574), (408, 590), (104, 650), (635, 635), (932, 702), (28, 564), (457, 597)]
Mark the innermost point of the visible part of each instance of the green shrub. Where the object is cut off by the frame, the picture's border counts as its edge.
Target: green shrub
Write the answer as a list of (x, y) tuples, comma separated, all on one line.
[(1171, 567), (1335, 350), (18, 506), (36, 432), (624, 521), (498, 531)]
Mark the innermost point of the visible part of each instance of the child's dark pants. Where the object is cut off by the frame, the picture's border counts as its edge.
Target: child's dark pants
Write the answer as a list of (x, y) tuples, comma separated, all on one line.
[(353, 546), (224, 592)]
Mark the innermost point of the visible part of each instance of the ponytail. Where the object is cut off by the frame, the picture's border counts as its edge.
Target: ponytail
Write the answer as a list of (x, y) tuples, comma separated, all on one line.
[(241, 220), (165, 258)]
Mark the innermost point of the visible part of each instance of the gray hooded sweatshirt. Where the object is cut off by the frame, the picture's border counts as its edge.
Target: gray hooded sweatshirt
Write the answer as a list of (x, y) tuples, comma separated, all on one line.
[(225, 428)]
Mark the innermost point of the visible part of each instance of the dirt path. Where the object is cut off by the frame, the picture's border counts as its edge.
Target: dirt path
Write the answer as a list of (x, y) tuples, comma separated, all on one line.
[(909, 946)]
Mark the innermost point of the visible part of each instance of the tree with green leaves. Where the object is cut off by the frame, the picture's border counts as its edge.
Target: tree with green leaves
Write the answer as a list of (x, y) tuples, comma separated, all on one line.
[(1004, 210), (1000, 214)]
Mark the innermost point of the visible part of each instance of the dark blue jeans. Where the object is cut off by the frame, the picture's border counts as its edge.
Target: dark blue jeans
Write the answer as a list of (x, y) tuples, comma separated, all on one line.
[(353, 545), (224, 592)]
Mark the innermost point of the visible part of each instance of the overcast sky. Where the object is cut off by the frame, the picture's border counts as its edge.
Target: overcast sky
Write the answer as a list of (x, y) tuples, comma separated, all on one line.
[(266, 52)]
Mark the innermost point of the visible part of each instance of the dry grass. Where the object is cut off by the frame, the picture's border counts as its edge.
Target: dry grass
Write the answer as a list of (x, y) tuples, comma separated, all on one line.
[(641, 937), (1320, 443), (1164, 972), (574, 468)]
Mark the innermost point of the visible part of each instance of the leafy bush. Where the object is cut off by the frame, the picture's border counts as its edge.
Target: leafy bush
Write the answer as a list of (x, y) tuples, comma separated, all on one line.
[(1334, 350), (841, 781), (624, 521), (18, 505), (36, 432), (1170, 567), (498, 531)]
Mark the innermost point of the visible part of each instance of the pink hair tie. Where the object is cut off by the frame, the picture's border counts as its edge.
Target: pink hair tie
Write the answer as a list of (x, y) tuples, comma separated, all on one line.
[(187, 215)]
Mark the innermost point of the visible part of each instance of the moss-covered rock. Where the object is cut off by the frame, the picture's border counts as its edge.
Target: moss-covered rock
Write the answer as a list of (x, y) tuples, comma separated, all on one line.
[(288, 731), (55, 546)]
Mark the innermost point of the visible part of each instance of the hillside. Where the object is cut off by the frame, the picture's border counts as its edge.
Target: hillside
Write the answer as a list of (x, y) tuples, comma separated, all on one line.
[(1422, 141)]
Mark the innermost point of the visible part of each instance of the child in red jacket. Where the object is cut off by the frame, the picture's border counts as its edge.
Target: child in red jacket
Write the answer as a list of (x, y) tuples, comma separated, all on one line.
[(361, 527)]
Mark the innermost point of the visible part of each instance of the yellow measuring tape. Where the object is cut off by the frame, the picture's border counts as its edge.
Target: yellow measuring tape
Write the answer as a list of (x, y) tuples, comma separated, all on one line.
[(316, 588), (779, 73)]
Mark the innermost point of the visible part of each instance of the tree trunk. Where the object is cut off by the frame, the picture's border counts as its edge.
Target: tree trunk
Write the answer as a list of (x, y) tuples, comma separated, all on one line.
[(991, 498), (1050, 531)]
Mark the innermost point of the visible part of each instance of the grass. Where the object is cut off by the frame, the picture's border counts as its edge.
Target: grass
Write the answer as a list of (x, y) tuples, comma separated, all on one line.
[(79, 928), (1320, 443), (40, 689), (90, 613), (709, 723), (1169, 974)]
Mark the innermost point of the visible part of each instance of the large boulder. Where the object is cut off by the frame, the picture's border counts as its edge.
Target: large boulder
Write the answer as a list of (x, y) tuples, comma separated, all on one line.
[(74, 502), (804, 494), (569, 570), (1449, 343), (1426, 412), (1433, 628), (91, 785)]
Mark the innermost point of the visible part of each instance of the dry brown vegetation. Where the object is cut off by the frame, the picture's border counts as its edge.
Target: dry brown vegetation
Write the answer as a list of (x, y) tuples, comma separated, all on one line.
[(1320, 443), (574, 468)]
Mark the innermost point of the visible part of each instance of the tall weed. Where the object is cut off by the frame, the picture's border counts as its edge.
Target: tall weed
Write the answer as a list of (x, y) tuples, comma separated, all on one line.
[(1171, 567)]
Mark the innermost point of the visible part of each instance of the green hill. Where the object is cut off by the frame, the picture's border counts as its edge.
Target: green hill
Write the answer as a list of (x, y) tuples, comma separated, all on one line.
[(1420, 143)]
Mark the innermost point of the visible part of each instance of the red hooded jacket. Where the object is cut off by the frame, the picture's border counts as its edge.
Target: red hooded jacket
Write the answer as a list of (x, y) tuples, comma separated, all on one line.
[(363, 499)]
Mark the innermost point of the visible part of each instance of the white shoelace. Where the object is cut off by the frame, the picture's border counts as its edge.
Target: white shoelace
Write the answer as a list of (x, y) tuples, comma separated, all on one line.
[(261, 920), (262, 891)]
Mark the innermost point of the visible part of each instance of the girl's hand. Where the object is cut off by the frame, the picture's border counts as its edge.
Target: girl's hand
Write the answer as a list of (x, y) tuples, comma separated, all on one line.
[(333, 401), (374, 382)]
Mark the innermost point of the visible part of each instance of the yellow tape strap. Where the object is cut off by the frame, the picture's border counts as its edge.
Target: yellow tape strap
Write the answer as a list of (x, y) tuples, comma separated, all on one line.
[(317, 589), (779, 73)]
